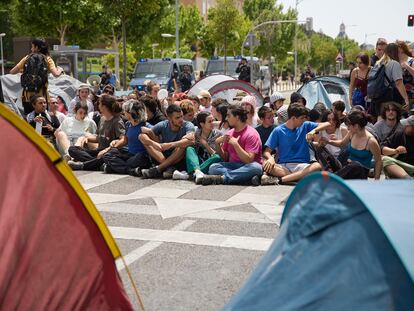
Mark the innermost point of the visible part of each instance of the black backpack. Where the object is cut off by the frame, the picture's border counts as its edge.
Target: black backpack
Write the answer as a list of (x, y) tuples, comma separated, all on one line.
[(377, 87), (34, 76)]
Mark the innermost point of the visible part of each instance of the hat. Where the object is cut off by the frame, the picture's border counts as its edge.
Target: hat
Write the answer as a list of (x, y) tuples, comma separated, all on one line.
[(408, 121), (83, 86), (249, 99), (204, 94), (276, 96), (282, 114)]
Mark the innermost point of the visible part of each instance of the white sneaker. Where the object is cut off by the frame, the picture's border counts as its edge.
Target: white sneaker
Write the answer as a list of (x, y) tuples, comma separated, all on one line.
[(177, 175), (198, 177)]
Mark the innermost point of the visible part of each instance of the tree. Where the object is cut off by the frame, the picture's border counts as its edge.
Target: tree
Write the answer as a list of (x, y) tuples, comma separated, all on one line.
[(57, 19), (323, 52), (225, 24), (253, 8)]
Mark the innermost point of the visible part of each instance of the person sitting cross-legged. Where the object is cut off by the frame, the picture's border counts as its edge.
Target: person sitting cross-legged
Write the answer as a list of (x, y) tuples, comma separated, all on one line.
[(289, 140), (133, 159), (241, 150), (398, 151), (166, 143), (202, 155)]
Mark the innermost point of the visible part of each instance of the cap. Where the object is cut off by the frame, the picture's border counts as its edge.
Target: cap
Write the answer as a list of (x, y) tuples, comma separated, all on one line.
[(282, 114), (204, 94), (408, 121), (276, 96)]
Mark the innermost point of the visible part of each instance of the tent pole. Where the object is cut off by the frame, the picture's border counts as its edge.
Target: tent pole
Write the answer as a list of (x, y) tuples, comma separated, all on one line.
[(141, 304)]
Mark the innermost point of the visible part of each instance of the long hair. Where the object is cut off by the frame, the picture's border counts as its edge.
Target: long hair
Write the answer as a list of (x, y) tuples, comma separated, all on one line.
[(404, 47), (390, 52), (41, 45)]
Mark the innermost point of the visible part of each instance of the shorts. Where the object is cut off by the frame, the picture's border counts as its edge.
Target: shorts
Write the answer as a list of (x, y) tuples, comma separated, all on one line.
[(294, 167)]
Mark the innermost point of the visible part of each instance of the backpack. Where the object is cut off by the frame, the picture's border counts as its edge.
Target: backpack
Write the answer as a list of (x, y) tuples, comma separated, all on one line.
[(34, 76), (377, 87)]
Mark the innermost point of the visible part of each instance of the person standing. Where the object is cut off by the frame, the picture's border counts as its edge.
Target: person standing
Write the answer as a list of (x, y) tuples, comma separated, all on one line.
[(407, 63), (185, 79), (359, 82), (379, 50), (243, 69), (35, 68)]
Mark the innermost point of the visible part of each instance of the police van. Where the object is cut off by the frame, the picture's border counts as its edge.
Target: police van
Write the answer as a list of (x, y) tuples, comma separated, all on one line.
[(160, 70), (215, 66)]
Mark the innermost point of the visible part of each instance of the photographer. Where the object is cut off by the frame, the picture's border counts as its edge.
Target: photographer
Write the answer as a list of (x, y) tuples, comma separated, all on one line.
[(243, 70), (307, 75)]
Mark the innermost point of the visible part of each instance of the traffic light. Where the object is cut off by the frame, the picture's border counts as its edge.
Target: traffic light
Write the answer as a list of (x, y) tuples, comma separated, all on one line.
[(410, 20)]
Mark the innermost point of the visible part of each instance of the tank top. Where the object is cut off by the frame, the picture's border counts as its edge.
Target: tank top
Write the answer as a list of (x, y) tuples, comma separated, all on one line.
[(362, 83), (364, 156)]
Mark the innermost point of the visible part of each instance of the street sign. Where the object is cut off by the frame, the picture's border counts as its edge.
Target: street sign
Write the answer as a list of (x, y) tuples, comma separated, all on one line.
[(255, 40), (339, 58)]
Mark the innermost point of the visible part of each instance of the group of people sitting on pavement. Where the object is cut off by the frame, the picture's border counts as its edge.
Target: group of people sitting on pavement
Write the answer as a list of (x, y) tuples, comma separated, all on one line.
[(217, 142)]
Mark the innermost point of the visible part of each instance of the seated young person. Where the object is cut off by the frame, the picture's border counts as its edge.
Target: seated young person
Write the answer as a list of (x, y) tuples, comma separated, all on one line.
[(268, 124), (74, 127), (166, 143), (289, 141), (134, 158), (153, 107), (361, 147), (240, 149), (400, 144), (40, 115), (202, 155), (111, 127)]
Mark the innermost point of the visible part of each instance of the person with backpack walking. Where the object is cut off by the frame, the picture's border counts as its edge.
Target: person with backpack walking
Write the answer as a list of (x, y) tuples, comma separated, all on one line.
[(35, 68), (407, 64), (385, 81)]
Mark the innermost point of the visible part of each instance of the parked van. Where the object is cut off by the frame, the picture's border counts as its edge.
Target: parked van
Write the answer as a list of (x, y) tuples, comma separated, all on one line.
[(215, 66), (160, 70)]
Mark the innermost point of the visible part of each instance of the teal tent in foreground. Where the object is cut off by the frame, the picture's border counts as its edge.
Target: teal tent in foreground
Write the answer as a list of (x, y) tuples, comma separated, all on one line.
[(341, 246)]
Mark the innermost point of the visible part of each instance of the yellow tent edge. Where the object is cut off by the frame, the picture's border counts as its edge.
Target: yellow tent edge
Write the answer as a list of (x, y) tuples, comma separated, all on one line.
[(65, 171)]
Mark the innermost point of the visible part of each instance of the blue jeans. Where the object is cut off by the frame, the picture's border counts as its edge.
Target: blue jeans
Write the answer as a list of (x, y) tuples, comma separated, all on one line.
[(236, 172)]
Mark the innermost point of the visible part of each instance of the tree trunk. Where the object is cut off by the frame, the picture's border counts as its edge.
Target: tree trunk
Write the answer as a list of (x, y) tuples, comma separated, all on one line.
[(225, 53), (115, 43)]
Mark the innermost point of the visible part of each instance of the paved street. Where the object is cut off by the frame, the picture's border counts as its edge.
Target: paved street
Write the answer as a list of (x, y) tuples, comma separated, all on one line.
[(189, 247)]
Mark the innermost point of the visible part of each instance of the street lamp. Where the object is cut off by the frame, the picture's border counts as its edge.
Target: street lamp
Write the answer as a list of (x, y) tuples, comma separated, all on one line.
[(154, 45), (177, 48), (166, 35), (1, 49)]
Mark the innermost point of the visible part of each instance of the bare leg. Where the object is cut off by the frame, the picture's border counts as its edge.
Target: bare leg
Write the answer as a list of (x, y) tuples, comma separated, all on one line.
[(395, 171), (62, 141), (314, 167), (177, 155), (279, 171), (152, 151)]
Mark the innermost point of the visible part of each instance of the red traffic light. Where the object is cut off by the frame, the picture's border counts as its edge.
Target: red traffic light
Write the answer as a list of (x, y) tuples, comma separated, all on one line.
[(410, 20)]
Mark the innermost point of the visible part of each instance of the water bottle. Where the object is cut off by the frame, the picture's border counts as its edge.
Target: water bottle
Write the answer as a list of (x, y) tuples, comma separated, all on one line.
[(39, 126)]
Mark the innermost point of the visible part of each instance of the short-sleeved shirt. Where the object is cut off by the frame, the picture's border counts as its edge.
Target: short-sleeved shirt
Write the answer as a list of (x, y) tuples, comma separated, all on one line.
[(393, 70), (264, 133), (110, 130), (163, 130), (382, 130), (250, 142), (135, 146), (74, 128), (26, 95), (291, 144)]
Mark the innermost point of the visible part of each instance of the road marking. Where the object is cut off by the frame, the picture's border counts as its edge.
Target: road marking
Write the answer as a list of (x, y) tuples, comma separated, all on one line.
[(179, 207), (127, 208), (193, 238), (150, 246)]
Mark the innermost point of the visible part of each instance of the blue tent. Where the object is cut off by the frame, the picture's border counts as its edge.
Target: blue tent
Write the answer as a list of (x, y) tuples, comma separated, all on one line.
[(341, 246), (326, 89)]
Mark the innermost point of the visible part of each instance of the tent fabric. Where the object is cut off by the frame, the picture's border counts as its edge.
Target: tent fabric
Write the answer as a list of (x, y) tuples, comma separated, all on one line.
[(332, 254), (226, 87), (64, 86), (56, 251), (326, 89)]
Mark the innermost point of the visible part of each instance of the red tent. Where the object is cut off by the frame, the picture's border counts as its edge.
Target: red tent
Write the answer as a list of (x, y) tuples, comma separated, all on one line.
[(56, 252)]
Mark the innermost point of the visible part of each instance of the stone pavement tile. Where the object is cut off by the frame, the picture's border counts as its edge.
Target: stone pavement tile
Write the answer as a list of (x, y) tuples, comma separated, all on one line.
[(215, 192), (128, 208), (176, 184), (235, 228), (190, 277), (272, 211), (140, 201), (127, 246), (125, 185), (159, 192), (247, 207), (139, 221), (81, 173), (95, 179)]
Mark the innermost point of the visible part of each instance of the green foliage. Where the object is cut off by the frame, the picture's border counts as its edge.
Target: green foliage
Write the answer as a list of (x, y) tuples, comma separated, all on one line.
[(131, 59), (322, 53), (253, 8), (226, 28)]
